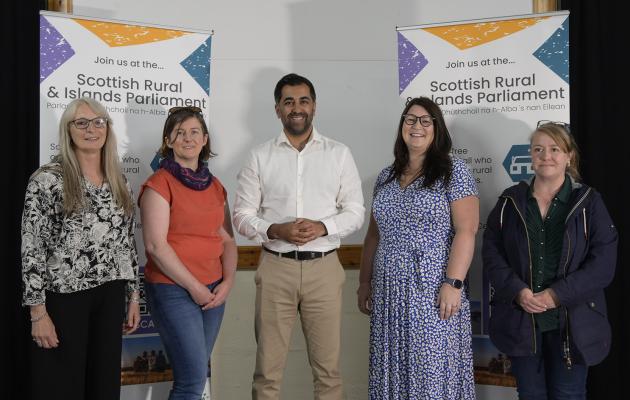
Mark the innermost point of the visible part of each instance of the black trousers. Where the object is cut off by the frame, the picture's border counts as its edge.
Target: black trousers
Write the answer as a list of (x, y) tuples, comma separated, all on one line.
[(86, 364)]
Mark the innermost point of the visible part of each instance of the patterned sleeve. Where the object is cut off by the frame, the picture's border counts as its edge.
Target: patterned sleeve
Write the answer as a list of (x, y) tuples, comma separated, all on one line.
[(37, 234), (133, 285), (380, 180), (462, 182)]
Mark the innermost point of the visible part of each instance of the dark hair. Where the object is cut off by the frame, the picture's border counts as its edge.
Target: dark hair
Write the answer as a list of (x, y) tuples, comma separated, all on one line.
[(178, 117), (292, 80), (437, 162)]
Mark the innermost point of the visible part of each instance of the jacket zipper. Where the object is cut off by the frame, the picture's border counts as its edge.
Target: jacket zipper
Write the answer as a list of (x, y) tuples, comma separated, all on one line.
[(588, 191), (531, 279), (566, 345)]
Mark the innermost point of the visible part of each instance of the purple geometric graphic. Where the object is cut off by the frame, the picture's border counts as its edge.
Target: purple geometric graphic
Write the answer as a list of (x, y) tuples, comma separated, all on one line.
[(197, 64), (410, 62), (54, 50)]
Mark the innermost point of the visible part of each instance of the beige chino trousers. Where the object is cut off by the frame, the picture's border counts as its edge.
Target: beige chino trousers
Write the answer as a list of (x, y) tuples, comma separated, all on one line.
[(312, 289)]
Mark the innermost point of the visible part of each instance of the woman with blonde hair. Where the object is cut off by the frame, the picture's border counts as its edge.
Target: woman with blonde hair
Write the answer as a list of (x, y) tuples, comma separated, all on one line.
[(79, 260), (549, 251)]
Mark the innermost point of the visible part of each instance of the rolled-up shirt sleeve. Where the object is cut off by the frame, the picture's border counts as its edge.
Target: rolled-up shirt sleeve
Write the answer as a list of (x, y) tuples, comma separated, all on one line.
[(349, 202), (247, 203)]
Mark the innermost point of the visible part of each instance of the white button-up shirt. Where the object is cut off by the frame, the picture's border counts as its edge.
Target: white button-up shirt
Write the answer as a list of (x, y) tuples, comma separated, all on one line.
[(280, 184)]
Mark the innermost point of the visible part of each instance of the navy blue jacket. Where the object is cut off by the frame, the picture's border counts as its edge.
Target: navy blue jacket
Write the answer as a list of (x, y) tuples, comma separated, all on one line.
[(587, 266)]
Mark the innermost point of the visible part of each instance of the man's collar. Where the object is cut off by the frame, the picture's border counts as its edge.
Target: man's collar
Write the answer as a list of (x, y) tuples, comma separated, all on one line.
[(282, 138)]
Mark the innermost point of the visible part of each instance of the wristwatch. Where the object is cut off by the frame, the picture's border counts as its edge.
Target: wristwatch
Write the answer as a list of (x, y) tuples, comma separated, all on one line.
[(456, 283)]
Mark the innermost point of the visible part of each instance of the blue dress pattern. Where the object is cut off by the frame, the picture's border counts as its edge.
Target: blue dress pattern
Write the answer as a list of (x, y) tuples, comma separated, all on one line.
[(413, 353)]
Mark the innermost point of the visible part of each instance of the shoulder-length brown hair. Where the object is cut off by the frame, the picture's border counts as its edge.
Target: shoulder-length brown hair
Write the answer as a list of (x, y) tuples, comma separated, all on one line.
[(175, 119)]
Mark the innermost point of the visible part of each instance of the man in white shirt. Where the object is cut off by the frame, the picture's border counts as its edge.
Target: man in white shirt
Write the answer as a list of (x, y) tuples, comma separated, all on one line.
[(298, 194)]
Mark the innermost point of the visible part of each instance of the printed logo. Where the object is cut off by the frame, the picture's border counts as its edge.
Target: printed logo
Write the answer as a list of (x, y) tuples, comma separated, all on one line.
[(146, 322), (518, 163), (155, 163)]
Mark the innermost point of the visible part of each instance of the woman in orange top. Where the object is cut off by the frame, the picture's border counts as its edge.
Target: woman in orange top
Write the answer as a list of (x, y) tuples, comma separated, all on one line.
[(191, 253)]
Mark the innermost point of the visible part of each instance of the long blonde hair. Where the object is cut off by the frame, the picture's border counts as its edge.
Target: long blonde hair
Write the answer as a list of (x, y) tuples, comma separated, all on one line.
[(73, 186)]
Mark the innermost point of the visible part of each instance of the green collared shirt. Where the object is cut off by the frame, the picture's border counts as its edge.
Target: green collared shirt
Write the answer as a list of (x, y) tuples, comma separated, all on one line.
[(545, 243)]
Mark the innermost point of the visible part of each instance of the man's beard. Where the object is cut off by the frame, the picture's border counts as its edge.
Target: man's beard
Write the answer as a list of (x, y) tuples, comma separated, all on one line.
[(291, 130)]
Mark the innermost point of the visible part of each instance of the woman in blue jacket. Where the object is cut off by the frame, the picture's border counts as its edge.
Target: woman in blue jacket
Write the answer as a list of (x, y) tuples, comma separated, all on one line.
[(549, 251)]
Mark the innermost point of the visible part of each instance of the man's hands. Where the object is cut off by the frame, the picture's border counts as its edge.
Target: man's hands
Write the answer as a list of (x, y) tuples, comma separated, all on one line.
[(299, 232)]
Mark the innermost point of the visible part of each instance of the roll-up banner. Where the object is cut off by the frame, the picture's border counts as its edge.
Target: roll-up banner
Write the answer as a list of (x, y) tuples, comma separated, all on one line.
[(494, 79), (138, 72)]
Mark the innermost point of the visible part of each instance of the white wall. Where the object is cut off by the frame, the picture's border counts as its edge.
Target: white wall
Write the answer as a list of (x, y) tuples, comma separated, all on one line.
[(349, 50)]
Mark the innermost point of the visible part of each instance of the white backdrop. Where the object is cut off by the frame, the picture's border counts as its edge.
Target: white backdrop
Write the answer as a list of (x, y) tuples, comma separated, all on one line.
[(349, 50)]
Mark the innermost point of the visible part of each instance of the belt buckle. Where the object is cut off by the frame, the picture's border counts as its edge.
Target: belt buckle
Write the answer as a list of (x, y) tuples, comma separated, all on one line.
[(296, 255)]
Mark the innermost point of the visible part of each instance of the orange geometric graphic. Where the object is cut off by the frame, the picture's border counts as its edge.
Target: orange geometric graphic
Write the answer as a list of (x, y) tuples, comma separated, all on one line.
[(116, 35), (470, 35)]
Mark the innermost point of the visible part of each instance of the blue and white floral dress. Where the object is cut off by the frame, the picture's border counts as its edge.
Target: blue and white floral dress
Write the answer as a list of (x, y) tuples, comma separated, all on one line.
[(413, 353)]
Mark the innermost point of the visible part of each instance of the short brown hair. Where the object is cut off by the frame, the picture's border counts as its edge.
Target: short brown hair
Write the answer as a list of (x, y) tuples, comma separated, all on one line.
[(176, 118)]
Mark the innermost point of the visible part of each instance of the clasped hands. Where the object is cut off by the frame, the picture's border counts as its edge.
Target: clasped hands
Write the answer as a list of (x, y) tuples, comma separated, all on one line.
[(536, 303), (206, 298), (298, 232)]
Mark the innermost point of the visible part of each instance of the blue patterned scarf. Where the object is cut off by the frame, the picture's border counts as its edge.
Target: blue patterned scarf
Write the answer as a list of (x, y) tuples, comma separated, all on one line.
[(196, 180)]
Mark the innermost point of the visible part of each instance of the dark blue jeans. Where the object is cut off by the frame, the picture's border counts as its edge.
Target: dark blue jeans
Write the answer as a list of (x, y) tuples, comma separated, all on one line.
[(188, 334), (545, 376)]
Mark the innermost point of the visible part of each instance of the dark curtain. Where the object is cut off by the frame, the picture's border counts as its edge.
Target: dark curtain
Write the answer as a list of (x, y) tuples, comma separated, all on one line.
[(20, 89), (598, 90), (598, 121)]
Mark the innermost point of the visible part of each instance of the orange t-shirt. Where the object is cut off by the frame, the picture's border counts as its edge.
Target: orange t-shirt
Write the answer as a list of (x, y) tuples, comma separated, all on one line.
[(193, 232)]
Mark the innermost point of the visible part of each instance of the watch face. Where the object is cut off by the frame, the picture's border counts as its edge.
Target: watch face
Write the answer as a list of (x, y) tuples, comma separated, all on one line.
[(456, 283)]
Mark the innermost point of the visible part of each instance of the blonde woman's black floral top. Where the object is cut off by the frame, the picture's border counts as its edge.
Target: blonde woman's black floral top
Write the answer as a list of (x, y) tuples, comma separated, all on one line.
[(66, 254)]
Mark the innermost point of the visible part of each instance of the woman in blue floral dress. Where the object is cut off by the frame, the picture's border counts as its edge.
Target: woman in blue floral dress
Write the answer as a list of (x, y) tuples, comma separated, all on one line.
[(416, 255)]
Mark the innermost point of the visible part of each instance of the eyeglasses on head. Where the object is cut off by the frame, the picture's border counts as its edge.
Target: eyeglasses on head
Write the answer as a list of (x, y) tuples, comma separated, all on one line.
[(544, 122)]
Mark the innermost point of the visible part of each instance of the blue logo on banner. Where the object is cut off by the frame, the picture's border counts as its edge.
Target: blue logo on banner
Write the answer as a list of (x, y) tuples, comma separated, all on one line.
[(155, 163), (518, 163)]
